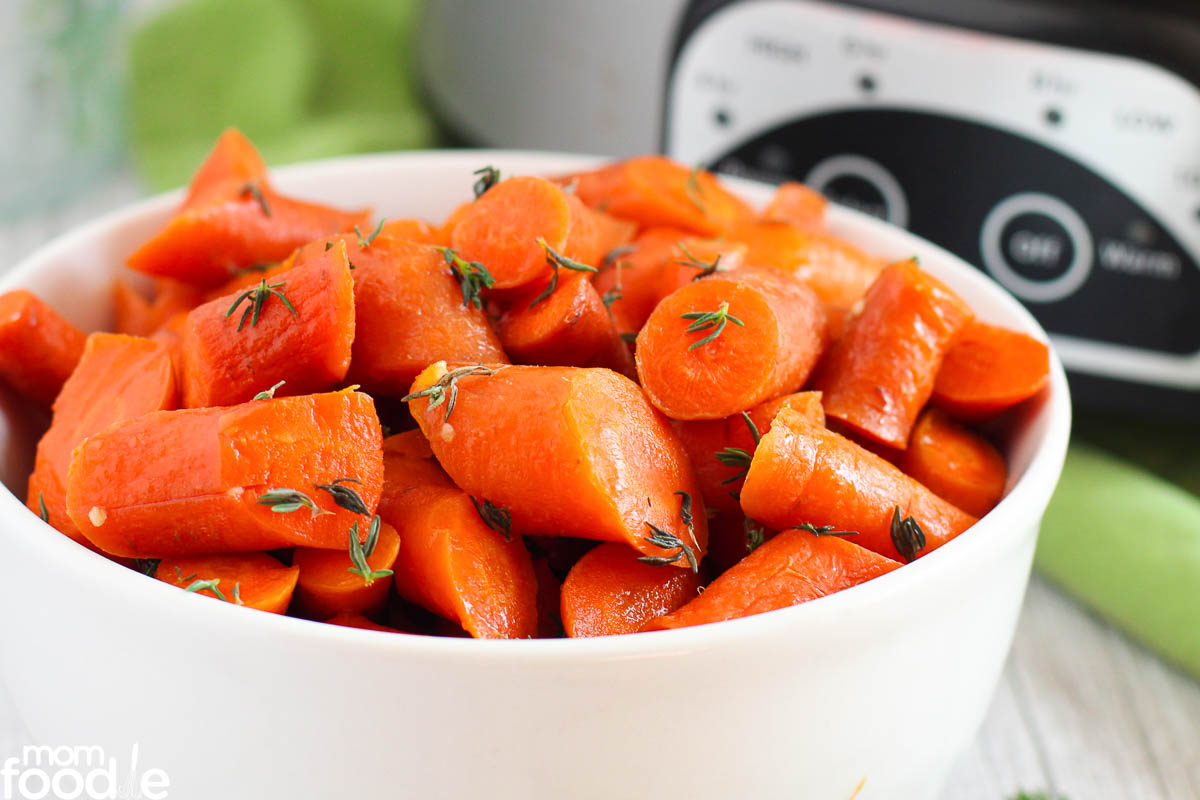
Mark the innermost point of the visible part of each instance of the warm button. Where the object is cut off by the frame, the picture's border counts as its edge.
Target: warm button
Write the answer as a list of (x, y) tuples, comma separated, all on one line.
[(1037, 246)]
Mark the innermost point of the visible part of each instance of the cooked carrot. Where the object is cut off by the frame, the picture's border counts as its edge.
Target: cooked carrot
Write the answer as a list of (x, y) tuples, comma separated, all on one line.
[(137, 316), (38, 348), (233, 219), (410, 229), (693, 258), (655, 191), (611, 232), (412, 307), (955, 463), (878, 376), (609, 592), (569, 327), (256, 476), (297, 328), (451, 561), (720, 449), (118, 378), (347, 620), (803, 474), (328, 587), (445, 232), (567, 452), (253, 580), (728, 342), (836, 270), (990, 369), (632, 276), (793, 567), (797, 204)]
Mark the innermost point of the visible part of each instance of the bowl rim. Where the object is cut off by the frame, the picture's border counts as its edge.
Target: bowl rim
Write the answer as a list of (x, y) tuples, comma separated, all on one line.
[(994, 531)]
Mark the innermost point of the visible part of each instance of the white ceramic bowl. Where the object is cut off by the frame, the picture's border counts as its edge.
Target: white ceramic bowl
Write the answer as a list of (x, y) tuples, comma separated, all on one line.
[(885, 682)]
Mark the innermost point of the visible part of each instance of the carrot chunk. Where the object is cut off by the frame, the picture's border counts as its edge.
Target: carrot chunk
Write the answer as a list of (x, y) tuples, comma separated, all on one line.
[(990, 369), (38, 348), (327, 584), (254, 580), (137, 316), (797, 204), (567, 452), (793, 567), (632, 276), (802, 474), (728, 342), (878, 376), (225, 480), (411, 230), (955, 463), (609, 591)]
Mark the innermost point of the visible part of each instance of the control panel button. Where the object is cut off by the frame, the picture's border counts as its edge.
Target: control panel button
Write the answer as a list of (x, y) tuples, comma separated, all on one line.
[(1037, 246), (861, 183)]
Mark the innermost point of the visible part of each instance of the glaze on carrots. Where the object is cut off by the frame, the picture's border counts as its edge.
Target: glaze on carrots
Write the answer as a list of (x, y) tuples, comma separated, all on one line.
[(38, 348), (990, 369)]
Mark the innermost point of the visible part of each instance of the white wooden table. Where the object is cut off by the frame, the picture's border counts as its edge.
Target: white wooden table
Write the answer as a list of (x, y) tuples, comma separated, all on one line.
[(1081, 712)]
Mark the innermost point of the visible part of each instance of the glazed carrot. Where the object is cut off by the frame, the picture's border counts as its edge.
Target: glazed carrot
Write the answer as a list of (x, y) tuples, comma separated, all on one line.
[(451, 561), (728, 342), (327, 586), (833, 268), (224, 480), (654, 191), (797, 204), (38, 348), (567, 452), (804, 474), (990, 369), (570, 327), (793, 567), (347, 620), (409, 311), (609, 592), (878, 376), (413, 230), (632, 276), (693, 258), (297, 328), (720, 449), (232, 219), (137, 316), (611, 232), (253, 580), (118, 378), (956, 464), (445, 233)]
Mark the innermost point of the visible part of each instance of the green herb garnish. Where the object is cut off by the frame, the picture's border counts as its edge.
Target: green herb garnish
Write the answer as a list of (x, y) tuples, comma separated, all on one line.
[(694, 190), (269, 394), (738, 456), (257, 298), (755, 534), (705, 268), (710, 320), (211, 584), (43, 512), (445, 390), (147, 566), (472, 276), (822, 530), (668, 541), (907, 536), (365, 243), (629, 337), (497, 518), (361, 551), (237, 593), (344, 496), (489, 176), (252, 189), (285, 501), (556, 259)]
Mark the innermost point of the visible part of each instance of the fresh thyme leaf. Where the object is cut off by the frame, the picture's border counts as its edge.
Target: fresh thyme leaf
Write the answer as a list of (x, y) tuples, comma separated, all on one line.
[(285, 501), (497, 518), (257, 298), (250, 270), (237, 593), (365, 243), (907, 536), (472, 276), (189, 577), (915, 259), (360, 552), (668, 541), (211, 584), (344, 496), (147, 566), (706, 268), (252, 189), (685, 510), (269, 394), (43, 512), (489, 176), (753, 428), (446, 388), (610, 258), (629, 337), (178, 574), (734, 457), (822, 530), (755, 534), (611, 296), (710, 320), (556, 259), (694, 191), (328, 245)]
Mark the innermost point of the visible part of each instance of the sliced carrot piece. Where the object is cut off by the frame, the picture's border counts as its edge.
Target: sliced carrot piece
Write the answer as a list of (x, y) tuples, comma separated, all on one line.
[(728, 342), (878, 376), (347, 620), (567, 452), (137, 316), (302, 337), (328, 587), (957, 464), (609, 592), (446, 230), (412, 230), (611, 232), (632, 276), (803, 474), (450, 560), (990, 369), (253, 580), (233, 219), (797, 204), (38, 348), (792, 568), (693, 258), (193, 481), (118, 378)]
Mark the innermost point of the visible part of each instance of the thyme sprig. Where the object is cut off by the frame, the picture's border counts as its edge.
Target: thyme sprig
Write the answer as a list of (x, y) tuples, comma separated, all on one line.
[(612, 257), (822, 530), (146, 566), (361, 551), (489, 176), (497, 518), (285, 501), (212, 584), (344, 496), (735, 457), (705, 268), (556, 259), (755, 534), (257, 298), (472, 276), (269, 394), (907, 536), (713, 321), (754, 434), (43, 512), (668, 541), (445, 390), (693, 189), (365, 243), (253, 189)]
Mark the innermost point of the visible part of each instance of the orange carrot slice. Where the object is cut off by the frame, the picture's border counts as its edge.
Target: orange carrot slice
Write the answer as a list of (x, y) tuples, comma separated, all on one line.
[(38, 348), (327, 586), (990, 369), (797, 204), (253, 580), (957, 464)]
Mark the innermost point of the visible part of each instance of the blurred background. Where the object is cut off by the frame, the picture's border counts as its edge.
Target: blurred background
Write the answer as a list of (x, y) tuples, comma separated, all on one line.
[(1054, 144)]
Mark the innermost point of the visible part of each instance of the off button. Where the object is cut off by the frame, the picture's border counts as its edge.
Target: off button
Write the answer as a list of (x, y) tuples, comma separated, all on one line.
[(1037, 246)]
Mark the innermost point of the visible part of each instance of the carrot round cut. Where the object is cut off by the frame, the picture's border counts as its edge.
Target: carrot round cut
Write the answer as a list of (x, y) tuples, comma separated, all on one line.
[(38, 348), (609, 592), (990, 369), (802, 474), (728, 342), (878, 376), (202, 481), (797, 204), (955, 463), (328, 587), (567, 452), (793, 567), (253, 580)]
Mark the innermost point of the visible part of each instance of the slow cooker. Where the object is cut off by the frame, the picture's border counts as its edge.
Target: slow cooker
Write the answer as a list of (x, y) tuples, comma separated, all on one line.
[(1053, 144)]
